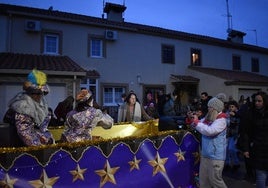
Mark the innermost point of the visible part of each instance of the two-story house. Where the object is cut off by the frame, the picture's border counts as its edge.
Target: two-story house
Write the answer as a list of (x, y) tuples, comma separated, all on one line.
[(111, 57)]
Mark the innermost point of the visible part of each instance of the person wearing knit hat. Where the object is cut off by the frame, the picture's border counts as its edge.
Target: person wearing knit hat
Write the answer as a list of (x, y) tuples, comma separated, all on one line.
[(81, 120), (28, 112), (213, 151), (216, 104), (222, 97)]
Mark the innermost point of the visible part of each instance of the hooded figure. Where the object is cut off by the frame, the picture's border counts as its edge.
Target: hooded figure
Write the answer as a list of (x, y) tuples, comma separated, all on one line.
[(81, 120), (28, 112)]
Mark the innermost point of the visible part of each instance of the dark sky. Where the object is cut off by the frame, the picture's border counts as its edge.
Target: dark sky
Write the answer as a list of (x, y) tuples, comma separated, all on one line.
[(203, 17)]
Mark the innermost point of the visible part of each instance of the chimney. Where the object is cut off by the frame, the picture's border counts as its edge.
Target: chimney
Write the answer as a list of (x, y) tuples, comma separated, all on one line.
[(236, 36), (114, 12)]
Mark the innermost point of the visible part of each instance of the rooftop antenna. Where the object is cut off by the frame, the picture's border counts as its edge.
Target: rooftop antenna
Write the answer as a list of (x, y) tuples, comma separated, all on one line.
[(229, 18)]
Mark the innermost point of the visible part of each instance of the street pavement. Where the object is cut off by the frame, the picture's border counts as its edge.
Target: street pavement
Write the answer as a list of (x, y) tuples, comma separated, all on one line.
[(235, 178)]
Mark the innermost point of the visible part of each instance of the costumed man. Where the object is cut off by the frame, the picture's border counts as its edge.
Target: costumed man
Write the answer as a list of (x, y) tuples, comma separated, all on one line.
[(81, 120), (28, 111)]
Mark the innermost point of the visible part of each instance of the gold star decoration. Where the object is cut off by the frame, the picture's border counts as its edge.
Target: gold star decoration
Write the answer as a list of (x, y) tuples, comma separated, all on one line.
[(158, 164), (78, 173), (107, 174), (180, 156), (134, 164), (44, 181), (7, 182), (197, 157)]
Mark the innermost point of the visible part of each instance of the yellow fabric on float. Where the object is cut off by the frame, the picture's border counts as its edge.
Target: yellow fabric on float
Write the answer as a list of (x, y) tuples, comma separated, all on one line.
[(117, 131)]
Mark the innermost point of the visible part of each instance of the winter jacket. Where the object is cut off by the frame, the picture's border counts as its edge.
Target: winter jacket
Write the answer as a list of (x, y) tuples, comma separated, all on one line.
[(214, 140), (254, 137)]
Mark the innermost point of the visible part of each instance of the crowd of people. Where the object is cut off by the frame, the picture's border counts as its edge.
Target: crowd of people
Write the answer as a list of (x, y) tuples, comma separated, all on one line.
[(228, 129), (232, 132)]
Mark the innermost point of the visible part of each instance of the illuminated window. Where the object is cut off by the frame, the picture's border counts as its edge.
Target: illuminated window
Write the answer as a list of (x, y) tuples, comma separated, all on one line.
[(196, 57)]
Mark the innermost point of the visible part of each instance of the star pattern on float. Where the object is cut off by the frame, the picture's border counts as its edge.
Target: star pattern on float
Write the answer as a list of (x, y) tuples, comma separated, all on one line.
[(134, 164), (7, 182), (78, 173), (180, 155), (44, 181), (158, 164), (107, 174)]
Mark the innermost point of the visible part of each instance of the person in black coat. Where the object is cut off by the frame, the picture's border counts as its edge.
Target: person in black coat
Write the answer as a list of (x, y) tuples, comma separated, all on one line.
[(253, 140), (204, 103), (63, 108)]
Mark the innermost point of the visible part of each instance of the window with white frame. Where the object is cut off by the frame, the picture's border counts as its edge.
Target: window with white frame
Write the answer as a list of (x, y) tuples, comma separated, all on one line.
[(51, 44), (90, 84), (112, 95), (96, 47)]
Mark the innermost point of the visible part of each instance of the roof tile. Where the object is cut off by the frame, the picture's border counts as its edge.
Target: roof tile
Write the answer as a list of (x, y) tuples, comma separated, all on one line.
[(41, 62), (232, 76)]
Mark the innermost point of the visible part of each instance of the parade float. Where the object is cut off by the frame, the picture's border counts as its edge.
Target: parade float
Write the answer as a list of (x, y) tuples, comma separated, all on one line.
[(127, 155)]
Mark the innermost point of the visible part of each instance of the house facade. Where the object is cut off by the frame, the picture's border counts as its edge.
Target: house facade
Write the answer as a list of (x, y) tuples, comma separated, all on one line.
[(115, 57)]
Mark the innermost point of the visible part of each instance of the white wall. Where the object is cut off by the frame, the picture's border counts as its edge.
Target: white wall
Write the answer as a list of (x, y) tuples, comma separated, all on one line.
[(7, 92)]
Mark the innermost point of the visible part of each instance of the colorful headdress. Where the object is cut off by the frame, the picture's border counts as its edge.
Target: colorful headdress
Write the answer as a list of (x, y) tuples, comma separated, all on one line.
[(36, 83), (83, 95)]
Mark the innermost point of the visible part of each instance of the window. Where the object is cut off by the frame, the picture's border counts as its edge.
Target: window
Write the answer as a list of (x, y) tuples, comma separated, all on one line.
[(96, 47), (168, 54), (90, 84), (196, 57), (255, 67), (112, 95), (51, 44), (154, 90), (236, 62)]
